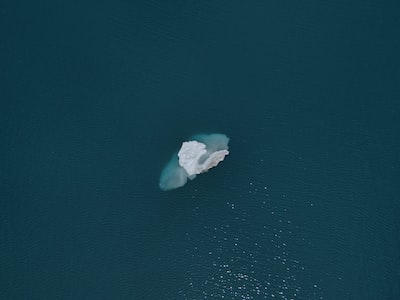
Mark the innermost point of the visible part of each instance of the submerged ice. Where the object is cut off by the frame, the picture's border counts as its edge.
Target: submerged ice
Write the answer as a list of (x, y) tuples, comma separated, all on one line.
[(201, 153)]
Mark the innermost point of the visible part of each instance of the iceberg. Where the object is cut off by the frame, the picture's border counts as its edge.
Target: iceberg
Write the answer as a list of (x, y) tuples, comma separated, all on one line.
[(190, 157), (201, 153)]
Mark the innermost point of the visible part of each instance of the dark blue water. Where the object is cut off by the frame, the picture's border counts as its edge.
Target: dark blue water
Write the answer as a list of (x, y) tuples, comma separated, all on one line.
[(94, 99)]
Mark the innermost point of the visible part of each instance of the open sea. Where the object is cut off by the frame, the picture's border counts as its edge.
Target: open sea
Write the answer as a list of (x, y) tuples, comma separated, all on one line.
[(96, 97)]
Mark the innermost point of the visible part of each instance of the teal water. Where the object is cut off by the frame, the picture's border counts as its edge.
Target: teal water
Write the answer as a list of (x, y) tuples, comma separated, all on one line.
[(96, 97)]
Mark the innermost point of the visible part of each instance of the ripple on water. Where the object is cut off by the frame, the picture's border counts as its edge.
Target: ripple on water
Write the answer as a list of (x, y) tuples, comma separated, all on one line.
[(244, 250)]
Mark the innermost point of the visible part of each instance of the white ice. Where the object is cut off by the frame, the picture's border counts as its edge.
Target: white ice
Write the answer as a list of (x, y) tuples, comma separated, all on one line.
[(201, 153)]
